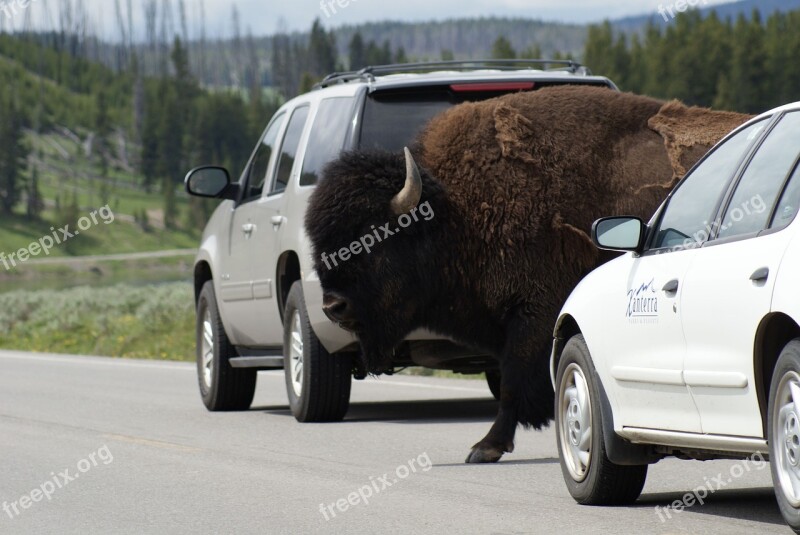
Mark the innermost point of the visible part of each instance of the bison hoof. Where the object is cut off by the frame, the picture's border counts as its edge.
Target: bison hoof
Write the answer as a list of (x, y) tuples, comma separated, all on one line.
[(484, 455)]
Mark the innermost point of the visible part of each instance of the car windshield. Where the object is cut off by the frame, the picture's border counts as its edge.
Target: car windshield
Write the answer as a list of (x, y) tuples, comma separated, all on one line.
[(393, 118)]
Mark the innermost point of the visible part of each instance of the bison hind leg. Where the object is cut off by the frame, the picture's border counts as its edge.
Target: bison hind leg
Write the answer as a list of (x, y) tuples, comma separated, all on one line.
[(535, 396)]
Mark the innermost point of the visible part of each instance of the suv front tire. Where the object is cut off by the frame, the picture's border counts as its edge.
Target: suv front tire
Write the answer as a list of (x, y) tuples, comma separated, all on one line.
[(222, 387), (317, 383)]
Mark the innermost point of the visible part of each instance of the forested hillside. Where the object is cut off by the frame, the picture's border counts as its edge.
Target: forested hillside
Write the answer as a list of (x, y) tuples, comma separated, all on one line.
[(748, 65)]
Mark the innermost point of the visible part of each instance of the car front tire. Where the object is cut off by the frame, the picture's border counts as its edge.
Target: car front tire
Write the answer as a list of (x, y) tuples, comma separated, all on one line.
[(222, 387), (783, 432), (317, 383), (591, 478)]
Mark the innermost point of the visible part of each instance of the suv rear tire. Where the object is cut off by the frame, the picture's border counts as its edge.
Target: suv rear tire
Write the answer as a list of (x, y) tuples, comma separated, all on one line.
[(222, 387), (317, 383), (591, 478)]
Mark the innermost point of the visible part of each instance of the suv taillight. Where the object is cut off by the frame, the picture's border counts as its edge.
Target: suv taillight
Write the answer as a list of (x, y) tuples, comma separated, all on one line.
[(493, 86)]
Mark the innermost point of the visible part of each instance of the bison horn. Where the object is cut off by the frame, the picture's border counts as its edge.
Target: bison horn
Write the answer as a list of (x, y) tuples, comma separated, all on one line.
[(409, 196)]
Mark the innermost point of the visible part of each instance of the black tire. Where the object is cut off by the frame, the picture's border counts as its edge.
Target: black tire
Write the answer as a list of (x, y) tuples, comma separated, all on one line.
[(601, 482), (493, 380), (324, 379), (225, 388), (782, 444)]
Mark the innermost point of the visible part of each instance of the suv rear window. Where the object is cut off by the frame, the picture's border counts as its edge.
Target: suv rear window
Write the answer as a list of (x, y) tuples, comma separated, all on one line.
[(393, 118)]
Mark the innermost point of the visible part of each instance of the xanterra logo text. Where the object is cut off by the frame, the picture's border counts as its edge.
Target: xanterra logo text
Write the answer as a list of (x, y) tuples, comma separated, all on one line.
[(643, 302)]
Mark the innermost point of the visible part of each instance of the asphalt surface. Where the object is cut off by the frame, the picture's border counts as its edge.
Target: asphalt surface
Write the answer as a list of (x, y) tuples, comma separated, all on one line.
[(133, 450)]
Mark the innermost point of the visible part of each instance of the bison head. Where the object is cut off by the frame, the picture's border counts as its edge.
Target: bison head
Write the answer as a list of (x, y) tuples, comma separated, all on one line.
[(371, 221)]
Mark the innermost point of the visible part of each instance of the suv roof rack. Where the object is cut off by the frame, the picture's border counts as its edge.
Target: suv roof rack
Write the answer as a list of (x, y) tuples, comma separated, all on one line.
[(369, 73)]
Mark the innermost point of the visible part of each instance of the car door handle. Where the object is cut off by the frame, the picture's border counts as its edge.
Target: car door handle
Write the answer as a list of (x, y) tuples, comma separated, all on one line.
[(671, 286), (760, 275), (248, 228), (277, 220)]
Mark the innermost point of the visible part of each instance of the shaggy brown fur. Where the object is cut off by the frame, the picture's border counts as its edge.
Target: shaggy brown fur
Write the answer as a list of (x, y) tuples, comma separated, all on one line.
[(515, 183)]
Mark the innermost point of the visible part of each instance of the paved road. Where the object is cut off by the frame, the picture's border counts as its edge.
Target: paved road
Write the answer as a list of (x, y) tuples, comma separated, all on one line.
[(115, 257), (142, 455)]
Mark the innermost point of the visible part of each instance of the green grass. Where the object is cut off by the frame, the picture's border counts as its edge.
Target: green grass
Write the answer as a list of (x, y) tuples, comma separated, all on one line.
[(64, 178), (149, 322), (17, 232)]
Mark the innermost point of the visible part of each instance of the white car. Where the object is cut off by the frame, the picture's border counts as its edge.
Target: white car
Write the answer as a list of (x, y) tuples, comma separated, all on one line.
[(688, 345)]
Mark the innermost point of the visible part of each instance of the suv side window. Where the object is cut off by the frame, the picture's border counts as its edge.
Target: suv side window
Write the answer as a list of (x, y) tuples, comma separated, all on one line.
[(327, 137), (291, 142), (257, 176), (760, 185), (687, 218)]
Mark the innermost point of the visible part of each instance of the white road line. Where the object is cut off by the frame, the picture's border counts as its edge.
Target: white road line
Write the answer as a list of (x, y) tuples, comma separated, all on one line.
[(97, 361), (186, 366), (384, 382)]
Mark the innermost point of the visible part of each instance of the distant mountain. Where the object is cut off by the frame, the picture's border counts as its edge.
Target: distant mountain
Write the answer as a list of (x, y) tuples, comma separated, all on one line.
[(466, 38), (724, 11)]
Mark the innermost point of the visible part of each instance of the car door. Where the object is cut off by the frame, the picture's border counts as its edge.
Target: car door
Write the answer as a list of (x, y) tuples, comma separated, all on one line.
[(647, 336), (269, 218), (246, 233), (729, 287)]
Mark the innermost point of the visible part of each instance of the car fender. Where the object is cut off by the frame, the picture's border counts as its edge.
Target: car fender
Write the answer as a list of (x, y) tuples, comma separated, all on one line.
[(580, 315)]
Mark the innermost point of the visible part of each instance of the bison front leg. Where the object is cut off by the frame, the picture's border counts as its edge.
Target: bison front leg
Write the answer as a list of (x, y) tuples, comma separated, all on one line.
[(526, 394)]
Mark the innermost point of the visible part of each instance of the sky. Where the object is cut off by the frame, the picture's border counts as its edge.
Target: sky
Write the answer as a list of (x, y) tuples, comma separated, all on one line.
[(263, 17)]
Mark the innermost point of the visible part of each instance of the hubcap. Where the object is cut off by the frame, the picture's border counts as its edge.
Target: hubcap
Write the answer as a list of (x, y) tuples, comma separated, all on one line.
[(786, 426), (207, 348), (296, 355), (575, 413)]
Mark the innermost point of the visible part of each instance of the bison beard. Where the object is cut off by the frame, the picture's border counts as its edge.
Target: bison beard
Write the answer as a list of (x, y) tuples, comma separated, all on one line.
[(515, 183)]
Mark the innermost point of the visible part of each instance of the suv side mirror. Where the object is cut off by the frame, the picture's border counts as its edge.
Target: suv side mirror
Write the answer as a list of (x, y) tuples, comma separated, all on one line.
[(210, 182), (619, 233)]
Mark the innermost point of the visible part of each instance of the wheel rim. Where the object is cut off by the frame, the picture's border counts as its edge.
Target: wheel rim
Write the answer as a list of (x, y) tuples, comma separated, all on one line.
[(786, 428), (207, 348), (296, 355), (575, 414)]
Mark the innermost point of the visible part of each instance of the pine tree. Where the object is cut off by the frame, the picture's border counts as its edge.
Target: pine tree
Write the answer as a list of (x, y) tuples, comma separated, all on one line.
[(746, 87), (35, 204), (502, 49), (358, 53), (102, 131), (532, 52), (321, 50), (13, 154)]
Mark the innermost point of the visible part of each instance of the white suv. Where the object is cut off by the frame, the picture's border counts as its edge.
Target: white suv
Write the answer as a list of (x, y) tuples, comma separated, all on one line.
[(689, 344), (259, 301)]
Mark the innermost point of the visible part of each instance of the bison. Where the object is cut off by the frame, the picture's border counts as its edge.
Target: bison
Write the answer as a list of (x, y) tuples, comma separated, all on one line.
[(513, 185)]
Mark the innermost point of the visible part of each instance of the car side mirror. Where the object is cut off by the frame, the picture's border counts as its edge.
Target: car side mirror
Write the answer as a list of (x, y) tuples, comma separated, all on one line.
[(619, 233), (211, 182)]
